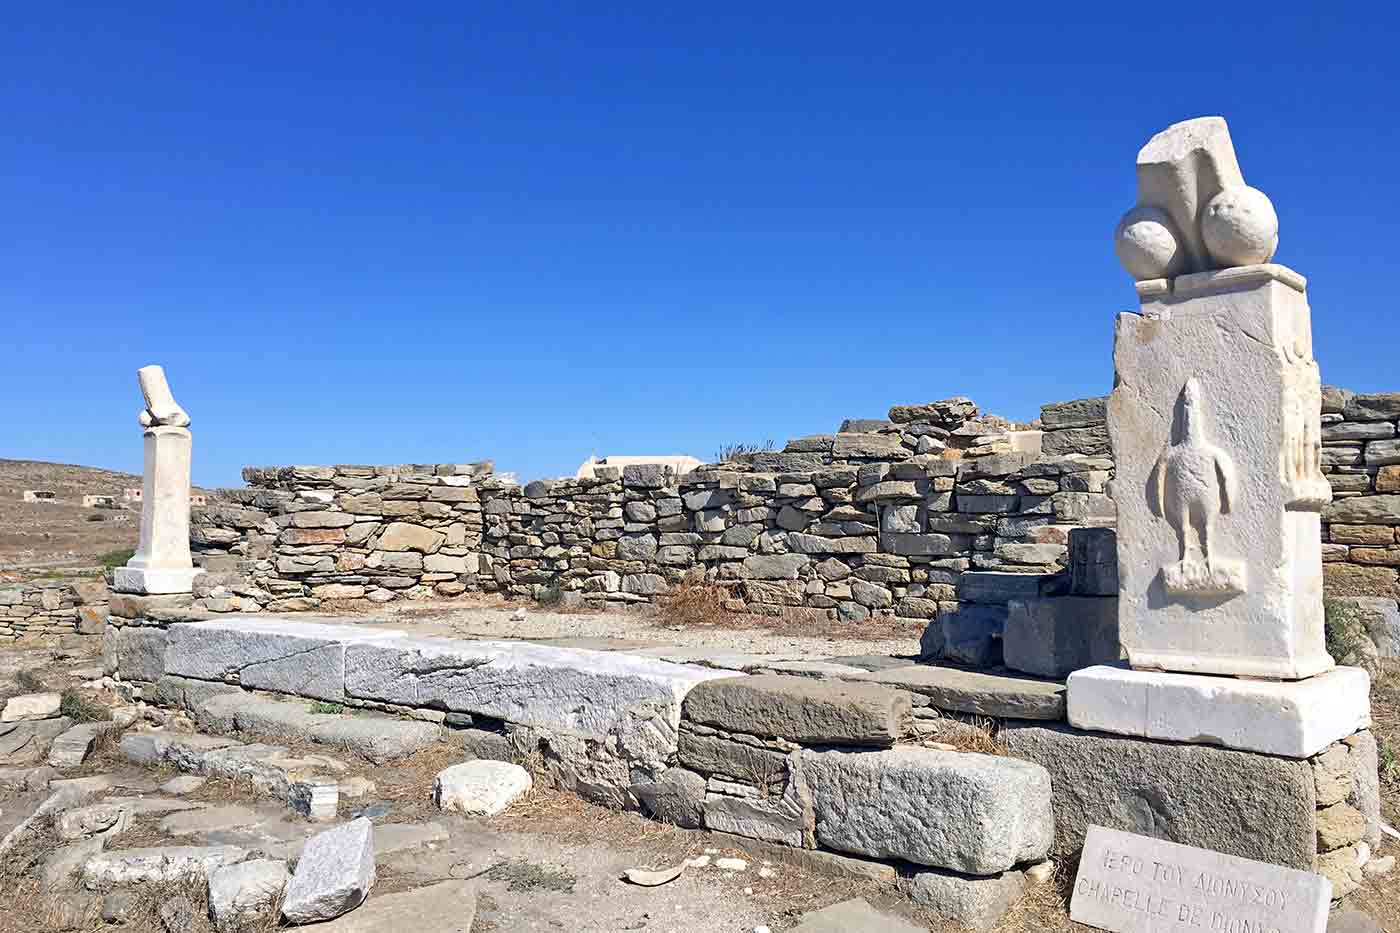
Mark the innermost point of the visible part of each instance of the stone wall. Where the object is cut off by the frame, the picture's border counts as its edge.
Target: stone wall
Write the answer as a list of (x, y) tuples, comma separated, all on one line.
[(51, 608), (1361, 457), (883, 518)]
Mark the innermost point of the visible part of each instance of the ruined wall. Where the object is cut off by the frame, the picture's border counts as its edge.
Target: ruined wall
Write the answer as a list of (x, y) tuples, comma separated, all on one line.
[(51, 608), (1361, 458)]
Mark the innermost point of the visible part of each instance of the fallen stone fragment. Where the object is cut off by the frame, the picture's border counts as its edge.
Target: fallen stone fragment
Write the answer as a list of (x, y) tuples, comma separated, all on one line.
[(480, 788), (731, 864), (209, 820), (159, 864), (239, 893), (316, 799), (651, 879), (445, 907), (27, 743), (31, 706), (334, 874)]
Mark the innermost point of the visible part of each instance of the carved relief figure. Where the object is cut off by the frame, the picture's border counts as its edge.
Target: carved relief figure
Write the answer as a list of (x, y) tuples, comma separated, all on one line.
[(1306, 487), (1191, 485)]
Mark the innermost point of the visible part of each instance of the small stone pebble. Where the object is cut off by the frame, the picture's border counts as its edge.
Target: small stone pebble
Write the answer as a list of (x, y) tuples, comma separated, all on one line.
[(765, 873), (731, 864), (700, 861), (1040, 872)]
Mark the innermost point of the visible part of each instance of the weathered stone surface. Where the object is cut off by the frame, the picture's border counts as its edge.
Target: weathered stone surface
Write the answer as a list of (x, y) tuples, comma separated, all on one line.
[(333, 875), (71, 748), (374, 737), (1092, 441), (971, 634), (715, 754), (996, 695), (1339, 825), (785, 819), (404, 536), (948, 412), (1093, 562), (852, 915), (994, 812), (1379, 406), (1365, 794), (1381, 619), (160, 864), (240, 893), (102, 819), (800, 709), (1053, 636), (1245, 804), (1079, 413), (480, 788), (1364, 510), (775, 566), (998, 588), (977, 903), (676, 797), (24, 743), (448, 906), (29, 707)]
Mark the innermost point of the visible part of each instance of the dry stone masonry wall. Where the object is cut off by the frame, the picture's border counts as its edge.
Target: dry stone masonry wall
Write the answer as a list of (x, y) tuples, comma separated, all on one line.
[(51, 608)]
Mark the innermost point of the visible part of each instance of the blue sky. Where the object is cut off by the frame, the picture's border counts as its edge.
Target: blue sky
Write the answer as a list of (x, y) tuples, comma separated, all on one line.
[(435, 232)]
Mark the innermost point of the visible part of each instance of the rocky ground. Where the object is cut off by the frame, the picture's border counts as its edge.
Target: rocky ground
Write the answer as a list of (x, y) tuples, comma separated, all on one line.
[(549, 861)]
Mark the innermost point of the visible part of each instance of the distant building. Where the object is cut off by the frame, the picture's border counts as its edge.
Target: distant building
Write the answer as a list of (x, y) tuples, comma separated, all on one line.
[(676, 463), (99, 502), (40, 495), (132, 495), (197, 498)]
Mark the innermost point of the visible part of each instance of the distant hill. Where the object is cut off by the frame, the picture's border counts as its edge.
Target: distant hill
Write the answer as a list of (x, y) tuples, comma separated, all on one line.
[(37, 536)]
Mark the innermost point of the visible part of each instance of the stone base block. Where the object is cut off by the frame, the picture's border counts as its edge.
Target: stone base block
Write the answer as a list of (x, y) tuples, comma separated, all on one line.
[(1056, 635), (150, 581), (1295, 719)]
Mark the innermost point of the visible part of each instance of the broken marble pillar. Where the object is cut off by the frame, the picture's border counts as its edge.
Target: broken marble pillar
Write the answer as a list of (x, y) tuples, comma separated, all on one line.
[(1219, 487), (162, 561)]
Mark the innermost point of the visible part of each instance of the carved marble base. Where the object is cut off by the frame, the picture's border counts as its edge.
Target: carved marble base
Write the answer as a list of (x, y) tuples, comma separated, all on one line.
[(1296, 719), (151, 581)]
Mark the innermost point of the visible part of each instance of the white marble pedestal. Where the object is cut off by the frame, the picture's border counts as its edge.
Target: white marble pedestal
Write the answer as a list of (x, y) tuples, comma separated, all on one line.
[(1295, 719), (162, 562)]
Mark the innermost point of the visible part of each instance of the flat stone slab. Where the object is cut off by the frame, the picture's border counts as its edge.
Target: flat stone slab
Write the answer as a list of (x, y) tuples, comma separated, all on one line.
[(1136, 884), (801, 709), (160, 864), (855, 914), (979, 814), (1296, 719), (31, 706), (1241, 803), (375, 737), (28, 742), (243, 891), (1001, 696), (71, 748), (445, 907)]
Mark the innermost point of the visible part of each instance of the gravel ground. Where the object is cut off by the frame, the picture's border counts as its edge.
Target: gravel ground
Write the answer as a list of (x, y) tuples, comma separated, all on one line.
[(645, 630)]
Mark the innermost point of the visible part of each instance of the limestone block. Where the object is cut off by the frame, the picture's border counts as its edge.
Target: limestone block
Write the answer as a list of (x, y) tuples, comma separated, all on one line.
[(1093, 562), (1254, 806), (972, 633), (747, 760), (676, 797), (161, 864), (139, 652), (590, 692), (754, 814), (23, 743), (801, 709), (1216, 433), (480, 788), (1056, 635), (993, 812), (976, 693), (31, 706), (449, 906), (977, 903), (240, 893), (1296, 719), (333, 875), (998, 588)]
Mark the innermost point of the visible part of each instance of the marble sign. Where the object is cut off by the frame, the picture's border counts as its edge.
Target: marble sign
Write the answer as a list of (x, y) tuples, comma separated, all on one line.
[(1136, 884)]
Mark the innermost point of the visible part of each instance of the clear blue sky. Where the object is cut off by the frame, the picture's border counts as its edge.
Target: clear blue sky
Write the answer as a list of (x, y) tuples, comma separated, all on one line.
[(434, 232)]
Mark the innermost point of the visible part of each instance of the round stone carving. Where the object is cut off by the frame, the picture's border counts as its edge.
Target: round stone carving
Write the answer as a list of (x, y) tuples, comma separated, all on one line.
[(1146, 244), (1240, 227)]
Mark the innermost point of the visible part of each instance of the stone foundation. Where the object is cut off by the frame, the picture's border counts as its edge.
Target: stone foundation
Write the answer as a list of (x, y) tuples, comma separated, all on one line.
[(31, 611)]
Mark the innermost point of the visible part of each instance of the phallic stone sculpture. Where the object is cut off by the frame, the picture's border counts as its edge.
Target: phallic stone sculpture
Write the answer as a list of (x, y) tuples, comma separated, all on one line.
[(1194, 212), (162, 561), (1216, 431), (1191, 484)]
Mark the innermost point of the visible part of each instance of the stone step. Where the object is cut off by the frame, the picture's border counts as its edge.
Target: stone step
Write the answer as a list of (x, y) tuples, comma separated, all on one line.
[(976, 692), (372, 736), (801, 709)]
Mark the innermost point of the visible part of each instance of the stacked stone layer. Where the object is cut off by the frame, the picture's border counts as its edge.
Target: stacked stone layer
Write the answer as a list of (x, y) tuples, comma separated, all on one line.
[(34, 610)]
